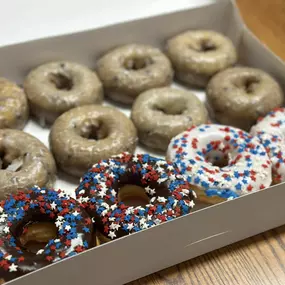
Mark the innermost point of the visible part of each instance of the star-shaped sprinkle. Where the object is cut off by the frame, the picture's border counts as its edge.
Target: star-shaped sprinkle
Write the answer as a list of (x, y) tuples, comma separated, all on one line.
[(13, 267), (112, 235), (41, 251), (53, 205)]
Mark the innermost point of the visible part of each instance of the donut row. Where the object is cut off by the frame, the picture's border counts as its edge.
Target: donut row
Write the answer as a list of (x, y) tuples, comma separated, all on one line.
[(43, 226)]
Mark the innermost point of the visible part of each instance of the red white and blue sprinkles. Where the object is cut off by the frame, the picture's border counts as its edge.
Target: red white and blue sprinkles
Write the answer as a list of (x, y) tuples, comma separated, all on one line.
[(275, 147), (73, 224), (196, 150), (273, 123), (98, 189)]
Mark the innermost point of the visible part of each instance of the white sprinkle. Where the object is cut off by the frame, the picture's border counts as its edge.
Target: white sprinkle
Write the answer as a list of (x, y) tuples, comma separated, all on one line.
[(58, 224), (40, 251), (6, 230), (135, 159), (111, 235), (8, 257), (75, 213), (102, 194), (172, 177), (60, 218), (160, 180), (130, 226), (68, 228), (82, 192), (13, 267), (161, 199), (113, 207), (61, 194), (170, 167), (53, 205), (85, 199), (160, 169), (1, 209)]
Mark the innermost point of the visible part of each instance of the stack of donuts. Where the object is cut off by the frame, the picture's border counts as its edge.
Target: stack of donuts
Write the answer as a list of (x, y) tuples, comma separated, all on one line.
[(216, 151)]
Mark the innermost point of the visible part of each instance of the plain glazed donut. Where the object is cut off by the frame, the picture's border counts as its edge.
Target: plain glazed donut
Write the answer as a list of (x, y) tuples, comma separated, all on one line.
[(14, 111), (197, 55), (25, 162), (56, 87), (37, 206), (129, 70), (160, 114), (240, 95), (84, 135), (165, 192), (223, 162), (273, 123), (275, 148)]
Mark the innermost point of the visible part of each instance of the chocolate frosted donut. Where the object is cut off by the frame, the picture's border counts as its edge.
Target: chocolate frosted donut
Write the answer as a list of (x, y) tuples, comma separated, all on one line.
[(56, 87), (131, 69), (240, 95), (128, 193), (197, 55), (25, 162), (84, 135), (162, 113), (14, 111), (30, 217)]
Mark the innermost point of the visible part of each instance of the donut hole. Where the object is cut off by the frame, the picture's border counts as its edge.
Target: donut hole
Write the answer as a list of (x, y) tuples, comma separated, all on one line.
[(35, 235), (207, 45), (250, 85), (94, 131), (204, 45), (61, 81), (171, 109), (137, 63), (133, 195), (218, 159), (11, 162)]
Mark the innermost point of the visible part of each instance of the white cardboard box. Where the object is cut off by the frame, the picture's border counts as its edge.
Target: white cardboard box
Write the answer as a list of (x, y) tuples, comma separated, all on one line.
[(145, 252)]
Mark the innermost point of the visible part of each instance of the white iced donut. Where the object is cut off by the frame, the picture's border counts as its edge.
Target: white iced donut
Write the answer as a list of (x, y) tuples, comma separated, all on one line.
[(275, 148), (272, 123), (223, 162)]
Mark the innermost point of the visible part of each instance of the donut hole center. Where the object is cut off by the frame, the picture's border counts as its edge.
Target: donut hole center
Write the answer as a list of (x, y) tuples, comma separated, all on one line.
[(61, 81), (250, 85), (133, 195), (94, 131), (137, 63), (207, 45), (35, 235), (218, 159), (11, 161), (171, 108)]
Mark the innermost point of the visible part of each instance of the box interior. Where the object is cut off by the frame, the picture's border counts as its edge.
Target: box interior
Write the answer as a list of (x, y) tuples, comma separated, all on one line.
[(139, 254)]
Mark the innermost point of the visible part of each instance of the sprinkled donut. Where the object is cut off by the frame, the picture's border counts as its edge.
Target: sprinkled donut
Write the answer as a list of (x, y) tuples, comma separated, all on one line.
[(223, 162), (14, 110), (197, 55), (164, 192), (240, 95), (273, 123), (131, 69), (25, 161), (160, 114), (85, 135), (275, 147), (56, 87), (74, 230)]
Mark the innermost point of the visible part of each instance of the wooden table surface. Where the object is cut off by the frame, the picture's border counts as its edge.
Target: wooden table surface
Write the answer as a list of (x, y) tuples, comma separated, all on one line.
[(258, 260)]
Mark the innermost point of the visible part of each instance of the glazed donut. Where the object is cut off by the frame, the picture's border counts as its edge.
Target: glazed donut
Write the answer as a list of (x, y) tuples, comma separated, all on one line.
[(273, 123), (275, 148), (240, 95), (56, 87), (74, 230), (131, 69), (25, 162), (14, 111), (197, 55), (84, 135), (160, 114), (108, 190), (223, 162)]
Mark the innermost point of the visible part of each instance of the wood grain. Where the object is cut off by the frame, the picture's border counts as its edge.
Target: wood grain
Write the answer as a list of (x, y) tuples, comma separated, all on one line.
[(259, 260)]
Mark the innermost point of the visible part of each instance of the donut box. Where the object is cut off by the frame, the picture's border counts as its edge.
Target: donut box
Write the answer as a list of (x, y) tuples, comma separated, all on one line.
[(204, 230)]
